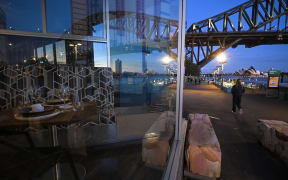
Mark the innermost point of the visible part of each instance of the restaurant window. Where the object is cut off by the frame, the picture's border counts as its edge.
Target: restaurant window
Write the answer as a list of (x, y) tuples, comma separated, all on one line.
[(100, 54), (58, 16), (78, 17), (40, 52), (21, 15), (60, 52), (144, 65), (96, 107), (49, 53)]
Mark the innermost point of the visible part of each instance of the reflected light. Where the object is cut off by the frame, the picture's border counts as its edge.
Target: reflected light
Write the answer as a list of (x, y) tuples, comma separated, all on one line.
[(166, 60), (222, 58), (78, 44), (151, 135), (10, 44)]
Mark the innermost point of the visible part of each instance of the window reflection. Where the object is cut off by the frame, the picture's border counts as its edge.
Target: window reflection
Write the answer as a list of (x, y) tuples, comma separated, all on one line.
[(60, 52), (49, 53), (58, 16), (21, 15), (141, 60), (21, 49), (40, 52), (100, 55), (79, 17), (134, 98)]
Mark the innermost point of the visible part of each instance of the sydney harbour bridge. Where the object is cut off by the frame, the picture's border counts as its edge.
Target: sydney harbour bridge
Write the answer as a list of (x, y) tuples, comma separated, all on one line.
[(253, 23)]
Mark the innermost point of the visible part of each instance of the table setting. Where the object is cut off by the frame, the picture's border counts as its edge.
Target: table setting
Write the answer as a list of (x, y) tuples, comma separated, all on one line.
[(34, 109), (36, 112)]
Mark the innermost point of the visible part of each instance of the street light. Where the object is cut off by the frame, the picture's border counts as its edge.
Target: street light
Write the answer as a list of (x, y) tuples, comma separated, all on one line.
[(75, 49), (222, 59), (165, 61)]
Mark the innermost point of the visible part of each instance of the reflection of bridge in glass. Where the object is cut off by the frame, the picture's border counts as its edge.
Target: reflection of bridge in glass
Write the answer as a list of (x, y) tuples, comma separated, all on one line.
[(138, 32), (256, 22)]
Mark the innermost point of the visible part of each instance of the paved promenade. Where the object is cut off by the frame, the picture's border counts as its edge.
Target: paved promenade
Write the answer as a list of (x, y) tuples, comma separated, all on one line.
[(243, 158)]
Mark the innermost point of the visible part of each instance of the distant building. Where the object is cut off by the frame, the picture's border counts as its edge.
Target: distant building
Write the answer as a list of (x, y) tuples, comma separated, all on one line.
[(118, 66), (144, 63), (2, 19)]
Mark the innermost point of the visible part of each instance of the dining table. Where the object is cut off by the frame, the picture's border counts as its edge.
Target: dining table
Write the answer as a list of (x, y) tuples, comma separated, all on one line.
[(80, 114)]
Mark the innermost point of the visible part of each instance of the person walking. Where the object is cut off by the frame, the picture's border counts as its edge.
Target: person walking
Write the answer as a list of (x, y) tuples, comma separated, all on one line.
[(237, 91)]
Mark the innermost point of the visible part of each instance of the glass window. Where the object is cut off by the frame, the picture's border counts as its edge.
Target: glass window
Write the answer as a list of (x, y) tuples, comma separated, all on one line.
[(40, 52), (21, 15), (16, 49), (100, 54), (60, 52), (96, 17), (118, 121), (49, 53), (80, 52), (144, 65), (98, 30), (58, 16), (79, 17)]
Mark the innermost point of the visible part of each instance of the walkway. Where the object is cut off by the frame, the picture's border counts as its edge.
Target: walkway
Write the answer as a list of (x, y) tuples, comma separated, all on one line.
[(242, 156)]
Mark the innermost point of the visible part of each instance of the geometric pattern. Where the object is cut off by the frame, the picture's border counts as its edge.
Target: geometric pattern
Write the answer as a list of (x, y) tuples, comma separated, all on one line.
[(22, 84)]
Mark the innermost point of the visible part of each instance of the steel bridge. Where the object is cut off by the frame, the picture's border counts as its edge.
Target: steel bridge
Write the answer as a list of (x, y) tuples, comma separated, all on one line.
[(253, 23), (140, 32)]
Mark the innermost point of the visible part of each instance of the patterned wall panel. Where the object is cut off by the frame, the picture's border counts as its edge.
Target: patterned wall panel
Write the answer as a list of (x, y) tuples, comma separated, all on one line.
[(39, 83)]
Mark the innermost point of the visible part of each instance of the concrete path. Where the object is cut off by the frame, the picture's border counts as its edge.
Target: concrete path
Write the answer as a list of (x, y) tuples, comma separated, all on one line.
[(243, 157)]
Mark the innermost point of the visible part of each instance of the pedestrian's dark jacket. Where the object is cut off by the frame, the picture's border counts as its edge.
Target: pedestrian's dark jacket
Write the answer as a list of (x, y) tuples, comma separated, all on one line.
[(237, 90)]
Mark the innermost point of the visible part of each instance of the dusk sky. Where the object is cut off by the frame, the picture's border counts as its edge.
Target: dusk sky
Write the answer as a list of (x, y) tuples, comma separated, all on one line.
[(261, 57)]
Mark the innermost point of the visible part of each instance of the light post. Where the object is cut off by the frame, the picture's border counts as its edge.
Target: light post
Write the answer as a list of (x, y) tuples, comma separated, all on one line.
[(222, 59), (165, 61), (77, 96), (75, 49)]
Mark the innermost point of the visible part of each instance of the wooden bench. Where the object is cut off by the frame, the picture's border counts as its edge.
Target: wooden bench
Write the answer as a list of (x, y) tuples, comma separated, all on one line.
[(203, 153)]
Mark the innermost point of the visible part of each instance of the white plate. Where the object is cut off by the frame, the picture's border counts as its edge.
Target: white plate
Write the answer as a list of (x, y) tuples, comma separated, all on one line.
[(65, 106), (47, 116)]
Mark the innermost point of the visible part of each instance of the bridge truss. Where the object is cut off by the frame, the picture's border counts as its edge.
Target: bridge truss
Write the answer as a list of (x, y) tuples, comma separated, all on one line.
[(256, 22), (135, 31)]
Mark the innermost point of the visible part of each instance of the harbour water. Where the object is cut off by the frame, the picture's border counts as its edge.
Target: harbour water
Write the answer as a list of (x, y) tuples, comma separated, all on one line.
[(258, 81), (141, 90)]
